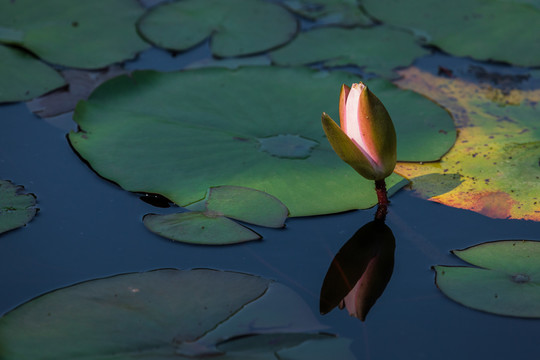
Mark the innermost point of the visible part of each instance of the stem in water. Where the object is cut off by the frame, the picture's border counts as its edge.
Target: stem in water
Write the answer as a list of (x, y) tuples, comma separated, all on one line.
[(382, 197)]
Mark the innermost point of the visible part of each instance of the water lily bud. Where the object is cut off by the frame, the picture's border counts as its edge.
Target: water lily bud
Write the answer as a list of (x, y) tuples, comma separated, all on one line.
[(366, 139)]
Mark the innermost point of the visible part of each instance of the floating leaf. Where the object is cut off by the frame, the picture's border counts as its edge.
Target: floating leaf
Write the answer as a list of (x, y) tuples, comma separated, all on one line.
[(209, 224), (199, 228), (377, 50), (236, 27), (90, 34), (159, 133), (248, 205), (22, 77), (15, 209), (360, 271), (342, 12), (506, 282), (81, 84), (166, 314), (485, 30), (496, 153)]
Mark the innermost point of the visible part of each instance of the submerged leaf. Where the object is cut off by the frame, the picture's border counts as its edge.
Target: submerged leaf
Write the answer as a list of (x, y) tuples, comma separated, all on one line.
[(158, 133), (23, 77), (16, 209), (165, 314), (342, 12), (506, 281), (88, 34), (236, 27), (495, 155)]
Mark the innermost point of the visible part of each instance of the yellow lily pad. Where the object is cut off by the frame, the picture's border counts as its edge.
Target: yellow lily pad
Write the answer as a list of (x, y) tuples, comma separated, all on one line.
[(496, 152)]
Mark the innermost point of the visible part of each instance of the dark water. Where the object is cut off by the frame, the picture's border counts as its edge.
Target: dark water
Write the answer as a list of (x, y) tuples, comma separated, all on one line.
[(88, 228)]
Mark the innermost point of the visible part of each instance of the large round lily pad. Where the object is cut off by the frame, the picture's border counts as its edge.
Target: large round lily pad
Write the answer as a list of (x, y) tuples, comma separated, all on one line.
[(85, 34), (177, 134), (236, 27), (377, 50), (485, 30), (166, 314), (16, 209), (506, 281), (22, 77)]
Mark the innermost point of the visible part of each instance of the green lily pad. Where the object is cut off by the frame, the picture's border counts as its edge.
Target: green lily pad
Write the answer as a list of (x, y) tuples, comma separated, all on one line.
[(208, 222), (22, 77), (179, 133), (248, 205), (485, 30), (16, 209), (377, 50), (166, 314), (506, 281), (92, 34), (342, 12), (236, 27), (199, 228)]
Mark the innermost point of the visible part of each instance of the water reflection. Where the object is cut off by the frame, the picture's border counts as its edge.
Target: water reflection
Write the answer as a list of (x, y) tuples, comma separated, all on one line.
[(360, 271)]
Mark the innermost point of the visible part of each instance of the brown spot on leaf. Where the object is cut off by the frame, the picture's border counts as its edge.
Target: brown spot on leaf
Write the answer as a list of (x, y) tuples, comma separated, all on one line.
[(496, 205)]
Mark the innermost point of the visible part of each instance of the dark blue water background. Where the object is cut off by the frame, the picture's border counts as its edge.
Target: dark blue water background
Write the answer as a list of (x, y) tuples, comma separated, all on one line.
[(88, 228)]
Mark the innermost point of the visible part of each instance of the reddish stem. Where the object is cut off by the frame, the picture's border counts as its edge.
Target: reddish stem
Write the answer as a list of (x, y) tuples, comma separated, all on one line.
[(382, 197)]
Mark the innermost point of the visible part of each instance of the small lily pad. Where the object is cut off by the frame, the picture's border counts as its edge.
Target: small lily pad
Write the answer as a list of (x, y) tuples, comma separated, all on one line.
[(248, 205), (90, 34), (236, 27), (23, 77), (199, 228), (165, 314), (506, 281), (158, 133), (377, 50), (287, 146), (16, 209), (208, 222)]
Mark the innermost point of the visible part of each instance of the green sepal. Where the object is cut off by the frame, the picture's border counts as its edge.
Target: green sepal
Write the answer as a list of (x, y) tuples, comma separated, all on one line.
[(347, 149)]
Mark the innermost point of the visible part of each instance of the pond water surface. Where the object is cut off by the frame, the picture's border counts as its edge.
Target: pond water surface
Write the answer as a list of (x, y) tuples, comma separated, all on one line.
[(89, 228)]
